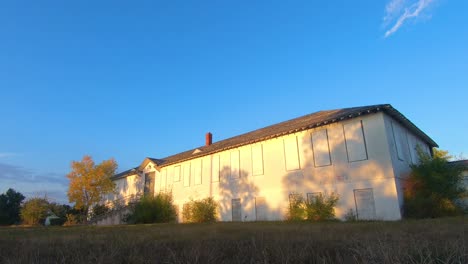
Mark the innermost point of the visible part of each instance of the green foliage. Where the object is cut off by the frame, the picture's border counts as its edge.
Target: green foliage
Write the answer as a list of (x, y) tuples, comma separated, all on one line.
[(34, 211), (157, 209), (99, 209), (200, 211), (10, 205), (319, 208), (433, 187)]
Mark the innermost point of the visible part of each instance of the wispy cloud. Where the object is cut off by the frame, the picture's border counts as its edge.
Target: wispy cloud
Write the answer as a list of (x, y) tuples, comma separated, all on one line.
[(7, 154), (397, 12), (20, 174)]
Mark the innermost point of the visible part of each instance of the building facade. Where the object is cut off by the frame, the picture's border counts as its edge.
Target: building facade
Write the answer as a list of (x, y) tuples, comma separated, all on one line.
[(363, 154)]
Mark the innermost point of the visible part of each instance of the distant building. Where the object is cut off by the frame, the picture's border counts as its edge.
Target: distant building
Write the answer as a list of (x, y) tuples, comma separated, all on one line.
[(362, 153)]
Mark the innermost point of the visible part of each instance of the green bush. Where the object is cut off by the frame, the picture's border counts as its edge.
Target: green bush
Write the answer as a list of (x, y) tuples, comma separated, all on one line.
[(157, 209), (433, 187), (296, 210), (319, 208), (34, 211), (99, 209), (200, 211)]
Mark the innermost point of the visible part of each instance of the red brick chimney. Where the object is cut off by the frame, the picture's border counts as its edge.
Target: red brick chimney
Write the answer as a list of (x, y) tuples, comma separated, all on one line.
[(208, 139)]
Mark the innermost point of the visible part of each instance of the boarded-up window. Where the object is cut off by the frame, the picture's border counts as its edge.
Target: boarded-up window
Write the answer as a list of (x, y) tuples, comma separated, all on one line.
[(177, 173), (198, 172), (291, 155), (397, 139), (235, 172), (355, 141), (163, 180), (149, 184), (260, 209), (365, 206), (321, 148), (215, 168), (236, 210), (257, 159), (312, 197), (187, 174)]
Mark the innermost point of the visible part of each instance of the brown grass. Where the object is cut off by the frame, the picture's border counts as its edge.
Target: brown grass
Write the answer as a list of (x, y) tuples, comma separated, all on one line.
[(421, 241)]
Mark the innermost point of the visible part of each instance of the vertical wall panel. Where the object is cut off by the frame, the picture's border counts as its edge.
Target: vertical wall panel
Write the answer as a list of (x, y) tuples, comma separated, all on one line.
[(215, 168), (321, 148), (235, 164), (177, 173), (355, 141), (236, 210), (397, 137), (291, 154), (198, 171), (257, 159), (163, 179), (261, 210), (187, 174), (365, 206)]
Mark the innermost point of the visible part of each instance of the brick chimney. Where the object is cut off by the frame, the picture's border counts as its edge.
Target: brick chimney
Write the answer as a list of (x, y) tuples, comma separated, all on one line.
[(208, 139)]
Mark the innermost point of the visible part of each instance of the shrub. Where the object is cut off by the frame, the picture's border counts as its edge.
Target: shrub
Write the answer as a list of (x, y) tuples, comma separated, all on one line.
[(433, 187), (319, 208), (157, 209), (71, 220), (200, 211), (34, 211), (322, 207), (296, 210), (99, 209)]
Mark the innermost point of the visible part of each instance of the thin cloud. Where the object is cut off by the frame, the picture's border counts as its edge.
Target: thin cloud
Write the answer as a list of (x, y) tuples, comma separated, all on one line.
[(7, 154), (399, 11), (19, 174)]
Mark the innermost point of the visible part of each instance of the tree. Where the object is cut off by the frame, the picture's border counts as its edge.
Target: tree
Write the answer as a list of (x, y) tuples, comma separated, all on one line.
[(89, 183), (34, 211), (10, 204), (433, 186)]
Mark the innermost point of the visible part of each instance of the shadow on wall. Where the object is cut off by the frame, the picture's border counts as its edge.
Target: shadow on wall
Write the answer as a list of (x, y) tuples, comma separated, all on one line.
[(239, 197), (375, 196)]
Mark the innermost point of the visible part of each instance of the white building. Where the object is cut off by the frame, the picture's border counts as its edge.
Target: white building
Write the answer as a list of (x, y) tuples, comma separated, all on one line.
[(362, 154)]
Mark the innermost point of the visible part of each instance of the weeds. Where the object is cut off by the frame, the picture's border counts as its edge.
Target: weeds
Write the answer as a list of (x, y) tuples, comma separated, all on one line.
[(414, 241)]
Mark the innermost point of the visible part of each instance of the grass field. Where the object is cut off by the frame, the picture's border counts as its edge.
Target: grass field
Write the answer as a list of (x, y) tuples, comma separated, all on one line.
[(418, 241)]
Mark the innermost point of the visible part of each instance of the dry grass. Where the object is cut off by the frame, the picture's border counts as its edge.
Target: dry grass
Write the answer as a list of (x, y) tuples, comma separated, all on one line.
[(423, 241)]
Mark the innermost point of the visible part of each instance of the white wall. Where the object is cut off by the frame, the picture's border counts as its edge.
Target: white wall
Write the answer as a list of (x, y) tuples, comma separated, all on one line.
[(338, 158), (402, 145)]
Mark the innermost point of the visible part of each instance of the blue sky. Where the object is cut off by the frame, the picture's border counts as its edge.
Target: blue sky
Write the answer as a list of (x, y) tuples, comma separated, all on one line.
[(150, 78)]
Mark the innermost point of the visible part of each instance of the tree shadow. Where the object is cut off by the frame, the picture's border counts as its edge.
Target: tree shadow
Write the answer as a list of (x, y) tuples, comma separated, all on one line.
[(344, 176), (235, 185)]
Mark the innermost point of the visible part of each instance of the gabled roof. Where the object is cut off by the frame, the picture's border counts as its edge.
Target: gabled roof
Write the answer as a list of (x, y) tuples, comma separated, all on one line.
[(126, 173), (309, 121)]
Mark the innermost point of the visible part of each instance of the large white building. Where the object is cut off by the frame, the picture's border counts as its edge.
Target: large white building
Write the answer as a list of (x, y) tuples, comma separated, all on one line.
[(363, 154)]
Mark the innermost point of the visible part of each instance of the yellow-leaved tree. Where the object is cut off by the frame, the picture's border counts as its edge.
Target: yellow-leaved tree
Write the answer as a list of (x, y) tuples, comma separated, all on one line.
[(89, 182)]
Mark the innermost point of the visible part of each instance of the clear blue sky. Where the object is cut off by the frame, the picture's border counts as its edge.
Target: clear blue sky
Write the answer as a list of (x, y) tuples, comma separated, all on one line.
[(131, 79)]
